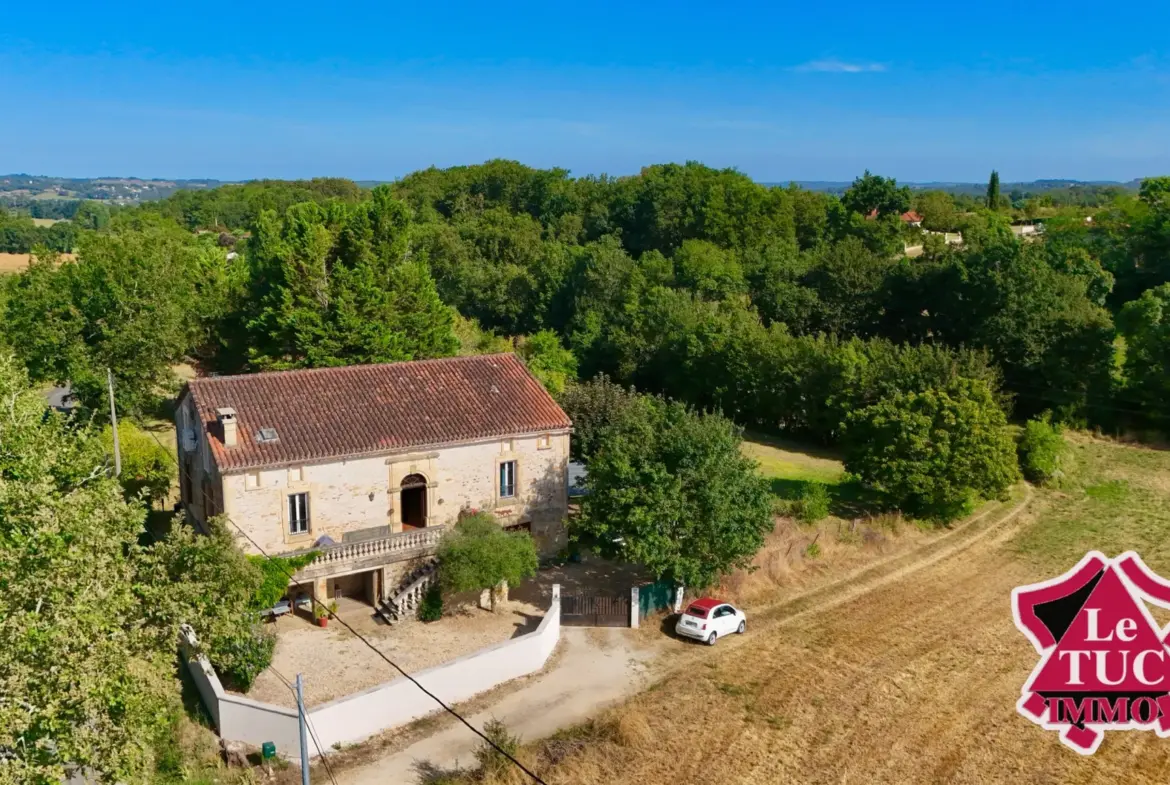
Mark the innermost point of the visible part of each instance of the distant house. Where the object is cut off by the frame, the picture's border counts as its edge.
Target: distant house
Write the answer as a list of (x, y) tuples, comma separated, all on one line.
[(370, 464), (909, 217)]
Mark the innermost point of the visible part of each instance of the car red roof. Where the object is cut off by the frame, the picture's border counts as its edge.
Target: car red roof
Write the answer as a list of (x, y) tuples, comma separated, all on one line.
[(706, 603)]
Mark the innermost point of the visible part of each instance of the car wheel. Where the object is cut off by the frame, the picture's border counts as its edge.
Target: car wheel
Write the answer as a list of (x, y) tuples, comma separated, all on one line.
[(742, 627), (712, 638)]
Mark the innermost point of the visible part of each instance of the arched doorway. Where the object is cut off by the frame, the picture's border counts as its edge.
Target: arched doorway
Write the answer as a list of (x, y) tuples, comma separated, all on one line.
[(414, 502)]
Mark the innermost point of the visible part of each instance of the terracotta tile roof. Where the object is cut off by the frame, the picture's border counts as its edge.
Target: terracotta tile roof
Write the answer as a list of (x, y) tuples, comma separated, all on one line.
[(369, 409), (911, 217)]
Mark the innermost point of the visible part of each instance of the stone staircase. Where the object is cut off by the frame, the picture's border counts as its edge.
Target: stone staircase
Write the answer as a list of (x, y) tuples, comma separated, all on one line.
[(404, 603)]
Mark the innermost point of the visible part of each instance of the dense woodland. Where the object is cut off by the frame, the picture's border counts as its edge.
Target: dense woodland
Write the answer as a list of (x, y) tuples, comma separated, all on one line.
[(783, 308), (666, 311)]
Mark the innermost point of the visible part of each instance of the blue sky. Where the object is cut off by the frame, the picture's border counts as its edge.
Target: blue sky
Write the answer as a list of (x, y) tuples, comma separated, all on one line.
[(781, 91)]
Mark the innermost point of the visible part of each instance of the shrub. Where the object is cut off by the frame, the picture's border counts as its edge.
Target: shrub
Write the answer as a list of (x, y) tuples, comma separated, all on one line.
[(813, 550), (477, 554), (1041, 448), (146, 465), (491, 762), (814, 502), (431, 608), (933, 453), (241, 658)]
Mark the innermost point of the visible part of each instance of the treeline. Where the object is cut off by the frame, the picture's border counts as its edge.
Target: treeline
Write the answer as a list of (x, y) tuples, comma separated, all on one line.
[(784, 308), (238, 207), (59, 209), (18, 234)]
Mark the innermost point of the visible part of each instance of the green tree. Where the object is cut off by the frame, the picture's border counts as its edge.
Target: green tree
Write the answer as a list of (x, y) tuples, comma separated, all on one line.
[(333, 286), (1145, 323), (477, 555), (147, 469), (206, 581), (708, 270), (938, 212), (92, 215), (552, 364), (776, 276), (933, 453), (83, 678), (593, 406), (473, 339), (670, 489), (993, 191), (848, 280), (872, 193), (129, 303)]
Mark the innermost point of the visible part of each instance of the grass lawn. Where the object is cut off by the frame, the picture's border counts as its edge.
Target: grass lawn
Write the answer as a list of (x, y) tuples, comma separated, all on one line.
[(1112, 498), (784, 460), (790, 467)]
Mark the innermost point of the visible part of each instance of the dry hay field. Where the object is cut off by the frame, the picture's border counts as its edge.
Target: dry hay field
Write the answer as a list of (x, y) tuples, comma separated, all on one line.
[(15, 262), (903, 671)]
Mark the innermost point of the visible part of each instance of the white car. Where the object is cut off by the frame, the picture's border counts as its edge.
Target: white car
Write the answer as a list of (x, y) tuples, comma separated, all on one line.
[(707, 619)]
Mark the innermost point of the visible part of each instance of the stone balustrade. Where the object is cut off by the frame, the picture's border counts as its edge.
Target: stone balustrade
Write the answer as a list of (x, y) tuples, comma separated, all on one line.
[(332, 558)]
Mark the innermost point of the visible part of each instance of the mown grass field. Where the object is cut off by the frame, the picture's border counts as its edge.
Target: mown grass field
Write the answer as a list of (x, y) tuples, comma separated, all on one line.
[(781, 460), (15, 262), (912, 678)]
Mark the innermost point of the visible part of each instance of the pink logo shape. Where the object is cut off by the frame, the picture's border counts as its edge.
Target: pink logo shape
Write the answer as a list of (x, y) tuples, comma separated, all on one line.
[(1104, 661)]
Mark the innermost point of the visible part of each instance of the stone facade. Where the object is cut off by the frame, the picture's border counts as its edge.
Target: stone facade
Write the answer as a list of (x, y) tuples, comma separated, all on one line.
[(362, 498)]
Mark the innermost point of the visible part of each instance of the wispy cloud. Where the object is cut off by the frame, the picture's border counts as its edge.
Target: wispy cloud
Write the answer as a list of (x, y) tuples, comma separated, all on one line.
[(735, 125), (835, 66)]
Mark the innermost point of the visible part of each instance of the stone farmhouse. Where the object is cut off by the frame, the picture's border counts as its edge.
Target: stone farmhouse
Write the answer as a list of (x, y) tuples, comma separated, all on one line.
[(369, 465)]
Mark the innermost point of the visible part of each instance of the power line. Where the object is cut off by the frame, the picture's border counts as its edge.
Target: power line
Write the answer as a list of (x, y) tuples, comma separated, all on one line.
[(309, 725), (356, 634)]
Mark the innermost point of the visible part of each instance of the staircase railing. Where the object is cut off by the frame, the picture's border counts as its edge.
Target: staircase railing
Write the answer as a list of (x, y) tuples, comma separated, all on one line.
[(405, 603)]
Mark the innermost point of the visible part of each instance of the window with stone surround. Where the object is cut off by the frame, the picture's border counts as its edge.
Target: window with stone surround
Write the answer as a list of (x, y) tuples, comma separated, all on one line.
[(298, 513), (507, 479)]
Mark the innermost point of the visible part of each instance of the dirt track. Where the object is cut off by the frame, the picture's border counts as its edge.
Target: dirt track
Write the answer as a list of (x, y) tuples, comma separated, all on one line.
[(906, 672), (903, 671)]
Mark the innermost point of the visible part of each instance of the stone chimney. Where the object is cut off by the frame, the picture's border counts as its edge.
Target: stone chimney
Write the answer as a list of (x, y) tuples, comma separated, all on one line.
[(227, 421)]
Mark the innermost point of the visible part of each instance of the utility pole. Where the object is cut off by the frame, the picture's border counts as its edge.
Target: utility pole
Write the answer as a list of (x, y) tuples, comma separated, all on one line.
[(304, 738), (114, 424)]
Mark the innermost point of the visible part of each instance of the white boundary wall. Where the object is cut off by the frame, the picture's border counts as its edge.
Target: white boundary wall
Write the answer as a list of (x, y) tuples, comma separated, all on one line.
[(357, 717), (238, 718)]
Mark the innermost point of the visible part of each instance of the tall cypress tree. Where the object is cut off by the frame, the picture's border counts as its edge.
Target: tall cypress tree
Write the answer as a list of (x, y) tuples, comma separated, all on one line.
[(993, 191)]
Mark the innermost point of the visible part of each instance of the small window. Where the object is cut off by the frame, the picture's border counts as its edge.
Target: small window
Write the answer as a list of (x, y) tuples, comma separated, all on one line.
[(697, 610), (298, 513), (507, 479), (252, 480), (296, 473), (267, 435), (543, 442)]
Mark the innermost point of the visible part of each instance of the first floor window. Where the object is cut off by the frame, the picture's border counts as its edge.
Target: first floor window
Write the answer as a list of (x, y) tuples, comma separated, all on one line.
[(298, 513), (507, 479)]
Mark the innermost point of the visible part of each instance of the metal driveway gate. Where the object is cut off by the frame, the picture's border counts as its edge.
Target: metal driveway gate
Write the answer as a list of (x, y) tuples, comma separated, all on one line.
[(588, 610)]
